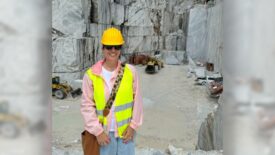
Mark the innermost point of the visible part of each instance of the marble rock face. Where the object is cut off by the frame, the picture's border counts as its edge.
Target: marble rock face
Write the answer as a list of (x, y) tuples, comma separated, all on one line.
[(210, 133), (72, 55), (147, 26), (106, 12), (175, 41), (215, 37), (67, 17), (66, 56), (139, 43), (137, 16), (117, 13), (138, 31), (143, 44), (197, 33), (174, 57)]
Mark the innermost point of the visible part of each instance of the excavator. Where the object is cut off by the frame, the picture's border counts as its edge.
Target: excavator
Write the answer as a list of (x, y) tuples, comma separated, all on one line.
[(152, 64), (10, 124), (62, 90)]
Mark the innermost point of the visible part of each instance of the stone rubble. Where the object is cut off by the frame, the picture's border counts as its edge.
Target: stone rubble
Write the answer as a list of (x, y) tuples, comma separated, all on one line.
[(171, 150)]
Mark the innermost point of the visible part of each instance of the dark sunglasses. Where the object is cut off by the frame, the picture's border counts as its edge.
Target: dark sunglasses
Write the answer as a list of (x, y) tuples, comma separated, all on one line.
[(109, 47)]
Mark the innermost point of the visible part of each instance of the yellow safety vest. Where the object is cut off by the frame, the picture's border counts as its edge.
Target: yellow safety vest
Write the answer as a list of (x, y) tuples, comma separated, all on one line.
[(123, 102)]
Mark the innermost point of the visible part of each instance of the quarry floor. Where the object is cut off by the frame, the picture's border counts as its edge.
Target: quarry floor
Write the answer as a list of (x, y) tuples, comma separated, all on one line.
[(174, 108)]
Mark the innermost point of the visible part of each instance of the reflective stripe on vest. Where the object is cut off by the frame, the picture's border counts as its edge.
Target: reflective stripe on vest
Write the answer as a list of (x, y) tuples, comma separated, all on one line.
[(123, 101)]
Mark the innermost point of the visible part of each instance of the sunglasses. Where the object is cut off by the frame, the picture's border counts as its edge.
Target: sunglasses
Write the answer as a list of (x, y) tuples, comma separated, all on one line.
[(109, 47)]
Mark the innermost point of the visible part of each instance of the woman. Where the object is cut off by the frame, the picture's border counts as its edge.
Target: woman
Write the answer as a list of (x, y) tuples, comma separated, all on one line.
[(116, 131)]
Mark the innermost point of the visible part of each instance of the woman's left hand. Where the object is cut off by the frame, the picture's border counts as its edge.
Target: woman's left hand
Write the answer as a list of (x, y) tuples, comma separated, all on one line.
[(128, 134)]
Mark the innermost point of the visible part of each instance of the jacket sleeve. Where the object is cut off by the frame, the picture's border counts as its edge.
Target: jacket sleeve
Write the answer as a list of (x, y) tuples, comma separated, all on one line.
[(137, 116), (87, 108)]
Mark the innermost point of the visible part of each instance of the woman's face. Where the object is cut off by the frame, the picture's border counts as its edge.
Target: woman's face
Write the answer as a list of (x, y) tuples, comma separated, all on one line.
[(111, 53)]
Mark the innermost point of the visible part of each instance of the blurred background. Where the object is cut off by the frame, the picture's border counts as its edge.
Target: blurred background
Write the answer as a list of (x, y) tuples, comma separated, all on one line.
[(25, 70)]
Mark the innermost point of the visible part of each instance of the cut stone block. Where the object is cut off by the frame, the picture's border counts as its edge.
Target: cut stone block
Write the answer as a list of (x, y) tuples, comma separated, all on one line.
[(197, 33), (173, 57), (215, 37), (67, 17), (66, 55), (137, 16), (133, 31), (117, 14), (72, 55)]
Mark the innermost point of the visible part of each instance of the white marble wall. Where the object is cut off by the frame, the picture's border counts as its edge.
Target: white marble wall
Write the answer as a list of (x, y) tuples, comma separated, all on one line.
[(215, 36), (147, 26), (72, 56), (72, 53), (197, 33), (66, 55), (204, 38), (67, 17)]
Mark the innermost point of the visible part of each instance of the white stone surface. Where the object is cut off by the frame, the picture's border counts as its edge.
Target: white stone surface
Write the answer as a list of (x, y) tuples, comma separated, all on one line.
[(89, 47), (143, 44), (170, 42), (183, 7), (179, 151), (197, 33), (104, 12), (73, 55), (86, 9), (139, 30), (117, 13), (149, 151), (173, 57), (67, 17), (144, 20), (180, 43), (137, 15), (175, 41), (154, 4), (146, 151), (215, 36), (166, 22), (66, 55), (94, 29), (136, 44)]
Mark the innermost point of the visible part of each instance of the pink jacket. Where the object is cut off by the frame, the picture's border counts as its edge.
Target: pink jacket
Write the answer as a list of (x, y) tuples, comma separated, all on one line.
[(88, 110)]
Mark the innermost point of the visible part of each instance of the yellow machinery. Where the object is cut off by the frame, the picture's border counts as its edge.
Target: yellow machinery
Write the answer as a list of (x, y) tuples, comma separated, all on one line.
[(152, 64), (10, 124), (60, 90)]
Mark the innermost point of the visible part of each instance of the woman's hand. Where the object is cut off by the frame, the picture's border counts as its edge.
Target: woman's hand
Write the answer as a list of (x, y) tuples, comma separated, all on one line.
[(103, 139), (128, 134)]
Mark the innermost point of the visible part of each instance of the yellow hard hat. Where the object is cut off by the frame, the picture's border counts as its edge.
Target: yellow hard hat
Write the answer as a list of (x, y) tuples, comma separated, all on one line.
[(112, 36)]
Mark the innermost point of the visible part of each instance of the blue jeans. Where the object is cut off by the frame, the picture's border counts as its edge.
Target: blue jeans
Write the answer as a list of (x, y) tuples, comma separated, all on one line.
[(117, 147)]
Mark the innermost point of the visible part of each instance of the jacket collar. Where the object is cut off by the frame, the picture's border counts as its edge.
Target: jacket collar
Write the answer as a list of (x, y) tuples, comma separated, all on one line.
[(97, 67)]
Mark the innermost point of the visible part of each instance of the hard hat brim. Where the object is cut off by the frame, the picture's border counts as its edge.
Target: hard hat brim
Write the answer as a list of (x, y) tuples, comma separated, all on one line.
[(106, 43)]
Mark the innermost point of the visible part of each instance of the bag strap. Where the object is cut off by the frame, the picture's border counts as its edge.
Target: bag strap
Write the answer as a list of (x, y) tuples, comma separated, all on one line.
[(114, 90)]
